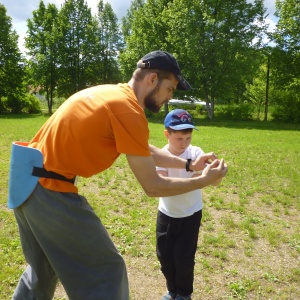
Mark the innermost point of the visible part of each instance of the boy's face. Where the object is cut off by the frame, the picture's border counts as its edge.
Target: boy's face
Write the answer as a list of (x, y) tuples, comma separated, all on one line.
[(178, 141)]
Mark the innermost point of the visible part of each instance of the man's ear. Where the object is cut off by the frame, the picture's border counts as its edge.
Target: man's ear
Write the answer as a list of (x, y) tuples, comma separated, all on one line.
[(153, 78)]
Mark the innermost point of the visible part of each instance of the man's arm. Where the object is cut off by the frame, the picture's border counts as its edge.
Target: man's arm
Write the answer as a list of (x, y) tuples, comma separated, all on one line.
[(215, 183), (164, 160), (154, 185)]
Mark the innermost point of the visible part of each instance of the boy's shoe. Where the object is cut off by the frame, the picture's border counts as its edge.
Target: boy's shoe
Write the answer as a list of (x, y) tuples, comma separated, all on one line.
[(169, 296), (178, 297)]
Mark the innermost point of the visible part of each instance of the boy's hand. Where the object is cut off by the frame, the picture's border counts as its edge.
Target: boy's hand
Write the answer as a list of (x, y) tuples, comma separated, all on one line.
[(215, 171), (201, 162)]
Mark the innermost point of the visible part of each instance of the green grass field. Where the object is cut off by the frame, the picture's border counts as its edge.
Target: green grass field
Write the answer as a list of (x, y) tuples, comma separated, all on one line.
[(249, 242)]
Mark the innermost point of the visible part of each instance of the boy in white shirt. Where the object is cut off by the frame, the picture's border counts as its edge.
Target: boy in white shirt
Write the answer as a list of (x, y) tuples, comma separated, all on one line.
[(179, 216)]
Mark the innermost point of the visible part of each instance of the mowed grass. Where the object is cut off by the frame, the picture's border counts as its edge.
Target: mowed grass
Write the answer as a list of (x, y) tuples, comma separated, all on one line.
[(249, 241)]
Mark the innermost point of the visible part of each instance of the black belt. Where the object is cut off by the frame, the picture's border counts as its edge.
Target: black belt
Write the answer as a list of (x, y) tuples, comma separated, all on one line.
[(42, 172)]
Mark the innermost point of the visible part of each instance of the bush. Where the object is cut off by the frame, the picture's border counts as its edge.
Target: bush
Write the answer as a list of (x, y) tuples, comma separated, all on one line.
[(287, 108), (2, 106), (14, 103), (32, 104), (243, 111)]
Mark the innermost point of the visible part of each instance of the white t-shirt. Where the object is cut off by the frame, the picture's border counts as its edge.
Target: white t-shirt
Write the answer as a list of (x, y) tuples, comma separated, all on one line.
[(183, 205)]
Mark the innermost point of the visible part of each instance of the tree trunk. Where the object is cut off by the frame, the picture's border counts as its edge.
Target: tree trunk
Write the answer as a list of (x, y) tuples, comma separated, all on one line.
[(166, 108), (267, 90)]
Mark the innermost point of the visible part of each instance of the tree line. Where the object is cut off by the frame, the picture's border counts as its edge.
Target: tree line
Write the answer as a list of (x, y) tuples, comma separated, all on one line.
[(220, 45)]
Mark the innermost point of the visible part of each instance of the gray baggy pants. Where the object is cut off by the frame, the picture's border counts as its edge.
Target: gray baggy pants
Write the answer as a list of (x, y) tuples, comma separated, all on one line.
[(62, 238)]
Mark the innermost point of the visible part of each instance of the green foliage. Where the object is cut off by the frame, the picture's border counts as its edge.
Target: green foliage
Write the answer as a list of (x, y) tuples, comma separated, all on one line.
[(70, 49), (243, 111), (148, 32), (77, 42), (110, 44), (27, 103), (240, 288), (286, 37), (213, 41), (217, 39), (33, 104), (129, 17), (14, 103), (255, 92), (41, 42), (287, 106), (11, 66), (287, 32)]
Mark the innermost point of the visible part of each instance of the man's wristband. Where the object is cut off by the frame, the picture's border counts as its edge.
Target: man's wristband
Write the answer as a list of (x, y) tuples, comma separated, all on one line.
[(187, 165)]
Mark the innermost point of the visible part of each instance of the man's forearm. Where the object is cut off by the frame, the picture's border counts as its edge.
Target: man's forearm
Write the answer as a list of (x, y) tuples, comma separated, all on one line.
[(164, 160)]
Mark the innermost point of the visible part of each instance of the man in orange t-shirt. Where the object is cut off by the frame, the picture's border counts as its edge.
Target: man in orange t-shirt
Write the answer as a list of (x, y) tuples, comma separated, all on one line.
[(61, 236)]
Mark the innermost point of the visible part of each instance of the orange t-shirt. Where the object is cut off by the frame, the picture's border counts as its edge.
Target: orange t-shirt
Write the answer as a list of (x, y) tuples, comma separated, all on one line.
[(89, 131)]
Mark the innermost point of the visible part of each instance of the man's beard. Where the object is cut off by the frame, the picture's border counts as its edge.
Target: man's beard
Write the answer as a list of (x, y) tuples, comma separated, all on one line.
[(150, 102)]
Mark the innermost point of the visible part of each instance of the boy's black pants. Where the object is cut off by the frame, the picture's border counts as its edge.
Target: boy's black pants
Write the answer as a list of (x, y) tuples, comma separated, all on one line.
[(176, 244)]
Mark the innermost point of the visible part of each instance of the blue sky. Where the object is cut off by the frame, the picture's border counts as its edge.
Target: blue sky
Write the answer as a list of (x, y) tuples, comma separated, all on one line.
[(20, 11)]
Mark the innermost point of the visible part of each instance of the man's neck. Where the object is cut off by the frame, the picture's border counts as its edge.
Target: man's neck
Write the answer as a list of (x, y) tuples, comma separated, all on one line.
[(137, 91)]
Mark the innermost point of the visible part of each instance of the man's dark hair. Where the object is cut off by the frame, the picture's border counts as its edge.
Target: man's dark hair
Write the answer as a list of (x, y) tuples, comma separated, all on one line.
[(139, 74)]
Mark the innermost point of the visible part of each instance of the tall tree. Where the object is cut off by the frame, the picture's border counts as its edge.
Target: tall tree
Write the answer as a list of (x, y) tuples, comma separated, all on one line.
[(286, 61), (216, 43), (109, 43), (129, 17), (287, 38), (42, 50), (11, 69), (148, 32), (259, 91), (77, 42)]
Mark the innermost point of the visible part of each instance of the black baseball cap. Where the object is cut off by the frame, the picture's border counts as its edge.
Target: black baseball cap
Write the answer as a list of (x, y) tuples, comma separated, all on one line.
[(163, 60)]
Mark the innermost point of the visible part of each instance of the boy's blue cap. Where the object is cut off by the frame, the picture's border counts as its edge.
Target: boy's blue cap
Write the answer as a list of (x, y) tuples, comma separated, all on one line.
[(179, 119)]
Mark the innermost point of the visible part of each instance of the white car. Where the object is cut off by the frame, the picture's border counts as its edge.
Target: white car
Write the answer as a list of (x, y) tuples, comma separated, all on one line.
[(188, 103)]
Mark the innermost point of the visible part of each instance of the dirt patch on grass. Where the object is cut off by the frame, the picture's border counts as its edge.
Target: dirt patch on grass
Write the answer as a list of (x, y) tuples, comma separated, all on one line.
[(145, 282), (247, 250), (267, 273)]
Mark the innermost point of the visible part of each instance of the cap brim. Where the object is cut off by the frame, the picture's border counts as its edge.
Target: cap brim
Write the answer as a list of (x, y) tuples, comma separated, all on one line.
[(183, 85), (183, 126)]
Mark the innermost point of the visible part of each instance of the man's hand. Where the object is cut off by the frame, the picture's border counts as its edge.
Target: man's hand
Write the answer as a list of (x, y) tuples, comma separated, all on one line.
[(215, 171), (202, 161)]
